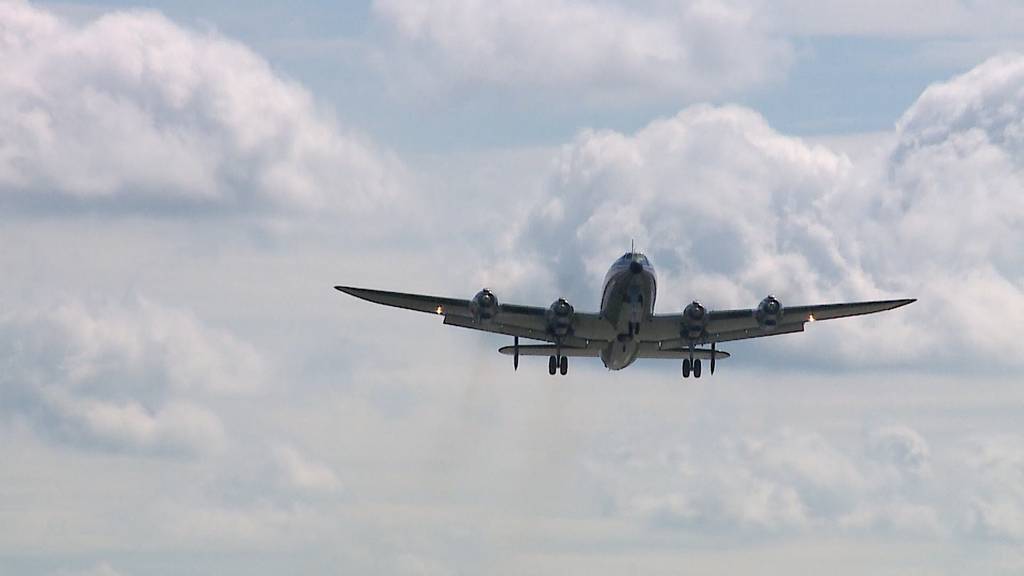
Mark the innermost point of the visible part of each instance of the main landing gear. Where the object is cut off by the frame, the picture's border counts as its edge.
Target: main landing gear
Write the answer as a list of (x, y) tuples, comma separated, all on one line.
[(559, 364), (691, 366)]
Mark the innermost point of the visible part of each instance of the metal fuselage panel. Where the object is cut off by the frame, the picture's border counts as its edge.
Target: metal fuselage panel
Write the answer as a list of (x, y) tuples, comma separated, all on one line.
[(630, 288)]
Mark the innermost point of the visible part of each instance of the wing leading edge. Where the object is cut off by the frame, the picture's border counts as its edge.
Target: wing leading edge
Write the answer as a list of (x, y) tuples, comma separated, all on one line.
[(512, 319), (729, 325), (662, 336)]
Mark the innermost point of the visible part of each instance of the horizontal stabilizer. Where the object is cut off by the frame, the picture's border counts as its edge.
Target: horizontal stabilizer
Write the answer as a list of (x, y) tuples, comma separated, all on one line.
[(651, 350), (549, 350), (647, 350)]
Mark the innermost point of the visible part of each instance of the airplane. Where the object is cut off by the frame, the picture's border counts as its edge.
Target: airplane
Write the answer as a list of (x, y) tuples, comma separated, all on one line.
[(626, 328)]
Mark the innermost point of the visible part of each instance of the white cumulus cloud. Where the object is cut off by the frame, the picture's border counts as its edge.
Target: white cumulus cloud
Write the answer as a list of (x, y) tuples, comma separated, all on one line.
[(132, 111), (731, 210)]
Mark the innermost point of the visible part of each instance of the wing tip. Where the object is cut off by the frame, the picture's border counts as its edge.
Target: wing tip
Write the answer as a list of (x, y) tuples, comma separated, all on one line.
[(361, 293)]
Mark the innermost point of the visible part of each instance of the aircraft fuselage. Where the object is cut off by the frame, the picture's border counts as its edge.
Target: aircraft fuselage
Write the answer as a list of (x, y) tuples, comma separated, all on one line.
[(627, 302)]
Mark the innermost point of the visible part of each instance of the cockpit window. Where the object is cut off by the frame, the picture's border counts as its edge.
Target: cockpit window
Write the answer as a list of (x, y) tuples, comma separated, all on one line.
[(640, 257)]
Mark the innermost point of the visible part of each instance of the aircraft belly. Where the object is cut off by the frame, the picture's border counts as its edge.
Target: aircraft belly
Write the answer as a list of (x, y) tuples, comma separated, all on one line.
[(618, 355)]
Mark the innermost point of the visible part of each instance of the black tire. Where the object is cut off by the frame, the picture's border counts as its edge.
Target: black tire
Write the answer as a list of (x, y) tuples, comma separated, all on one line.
[(552, 365), (686, 367), (563, 365), (696, 368)]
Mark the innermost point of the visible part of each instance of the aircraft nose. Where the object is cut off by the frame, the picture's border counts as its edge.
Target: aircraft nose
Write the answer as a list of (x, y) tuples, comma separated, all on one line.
[(636, 267)]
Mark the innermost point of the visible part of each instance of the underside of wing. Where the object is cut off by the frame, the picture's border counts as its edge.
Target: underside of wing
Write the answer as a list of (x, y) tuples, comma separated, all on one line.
[(509, 327), (508, 319), (845, 310), (417, 302), (730, 325)]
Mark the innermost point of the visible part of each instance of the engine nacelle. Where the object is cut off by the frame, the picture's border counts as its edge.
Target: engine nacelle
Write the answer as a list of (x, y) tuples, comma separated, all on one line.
[(695, 320), (484, 306), (559, 317), (769, 313)]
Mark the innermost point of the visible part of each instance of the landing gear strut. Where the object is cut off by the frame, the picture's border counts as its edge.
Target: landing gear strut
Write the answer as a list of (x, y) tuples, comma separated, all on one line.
[(632, 330)]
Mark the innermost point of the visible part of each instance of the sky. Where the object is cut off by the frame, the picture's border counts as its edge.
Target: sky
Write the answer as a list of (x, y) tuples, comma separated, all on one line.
[(183, 183)]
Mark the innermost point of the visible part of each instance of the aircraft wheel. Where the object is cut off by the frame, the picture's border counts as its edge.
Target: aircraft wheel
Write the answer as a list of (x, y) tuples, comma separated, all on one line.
[(686, 367), (563, 365), (696, 368), (552, 365)]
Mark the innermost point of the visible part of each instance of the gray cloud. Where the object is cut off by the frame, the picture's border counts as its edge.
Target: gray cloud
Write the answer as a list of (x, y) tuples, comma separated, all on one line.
[(101, 569), (786, 481), (897, 18), (122, 377), (300, 473), (996, 493), (133, 112), (902, 447)]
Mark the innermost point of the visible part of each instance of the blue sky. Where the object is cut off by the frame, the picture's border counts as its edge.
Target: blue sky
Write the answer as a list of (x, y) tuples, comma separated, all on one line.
[(181, 184)]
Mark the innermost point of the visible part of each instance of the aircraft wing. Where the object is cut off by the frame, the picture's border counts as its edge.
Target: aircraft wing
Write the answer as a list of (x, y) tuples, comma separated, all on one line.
[(512, 319), (729, 325)]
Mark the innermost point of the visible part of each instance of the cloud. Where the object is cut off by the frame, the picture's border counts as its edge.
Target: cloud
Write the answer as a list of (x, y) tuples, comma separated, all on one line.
[(724, 204), (441, 457), (731, 210), (594, 51), (900, 18), (132, 112), (902, 447), (784, 481), (101, 569), (301, 473), (123, 377), (996, 494)]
